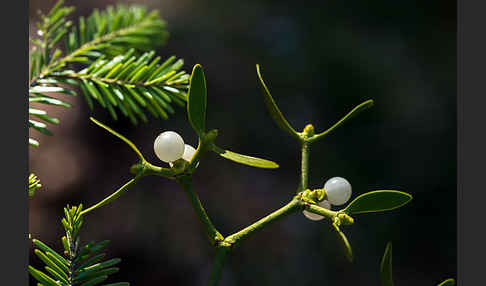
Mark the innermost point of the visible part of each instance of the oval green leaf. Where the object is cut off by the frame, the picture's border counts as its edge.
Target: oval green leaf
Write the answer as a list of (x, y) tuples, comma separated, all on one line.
[(448, 282), (378, 201), (197, 100), (386, 266), (363, 106), (245, 160), (272, 107)]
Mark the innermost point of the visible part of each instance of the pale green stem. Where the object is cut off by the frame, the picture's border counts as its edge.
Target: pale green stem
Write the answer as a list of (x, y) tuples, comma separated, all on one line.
[(211, 231), (112, 197), (146, 169), (289, 208), (320, 211), (305, 165)]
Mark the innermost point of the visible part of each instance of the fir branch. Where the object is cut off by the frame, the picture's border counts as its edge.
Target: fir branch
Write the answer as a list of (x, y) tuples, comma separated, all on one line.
[(80, 265), (52, 27), (108, 44), (130, 84), (111, 32)]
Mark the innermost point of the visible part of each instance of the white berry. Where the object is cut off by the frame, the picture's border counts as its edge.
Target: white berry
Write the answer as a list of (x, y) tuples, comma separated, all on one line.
[(188, 153), (338, 190), (313, 216), (169, 146)]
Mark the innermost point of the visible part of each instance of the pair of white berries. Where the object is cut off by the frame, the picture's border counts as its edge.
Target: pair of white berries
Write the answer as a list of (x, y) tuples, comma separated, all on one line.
[(338, 192), (169, 147)]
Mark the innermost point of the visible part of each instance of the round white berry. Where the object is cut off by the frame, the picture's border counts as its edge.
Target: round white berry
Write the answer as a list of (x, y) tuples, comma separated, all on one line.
[(312, 216), (188, 153), (338, 190), (169, 146)]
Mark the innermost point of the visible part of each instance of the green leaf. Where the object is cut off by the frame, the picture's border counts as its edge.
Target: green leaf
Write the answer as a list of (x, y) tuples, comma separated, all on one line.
[(245, 160), (102, 265), (58, 262), (50, 263), (89, 261), (378, 201), (386, 266), (46, 249), (344, 242), (197, 100), (86, 275), (272, 107), (48, 100), (448, 282), (39, 126), (98, 246), (41, 114), (33, 142), (41, 277), (363, 106), (95, 281), (56, 275), (39, 89)]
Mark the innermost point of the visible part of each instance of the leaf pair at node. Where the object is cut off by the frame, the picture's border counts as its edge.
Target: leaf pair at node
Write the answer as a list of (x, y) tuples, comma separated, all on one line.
[(283, 124), (196, 111)]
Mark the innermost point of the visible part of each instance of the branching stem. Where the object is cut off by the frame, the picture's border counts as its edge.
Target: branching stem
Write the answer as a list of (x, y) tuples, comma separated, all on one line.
[(293, 206)]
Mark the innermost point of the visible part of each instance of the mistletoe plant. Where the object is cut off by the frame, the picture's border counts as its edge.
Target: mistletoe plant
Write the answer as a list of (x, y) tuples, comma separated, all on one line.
[(108, 57)]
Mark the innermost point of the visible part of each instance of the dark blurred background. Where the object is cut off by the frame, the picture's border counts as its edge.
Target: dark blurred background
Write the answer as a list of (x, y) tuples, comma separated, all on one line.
[(319, 59)]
